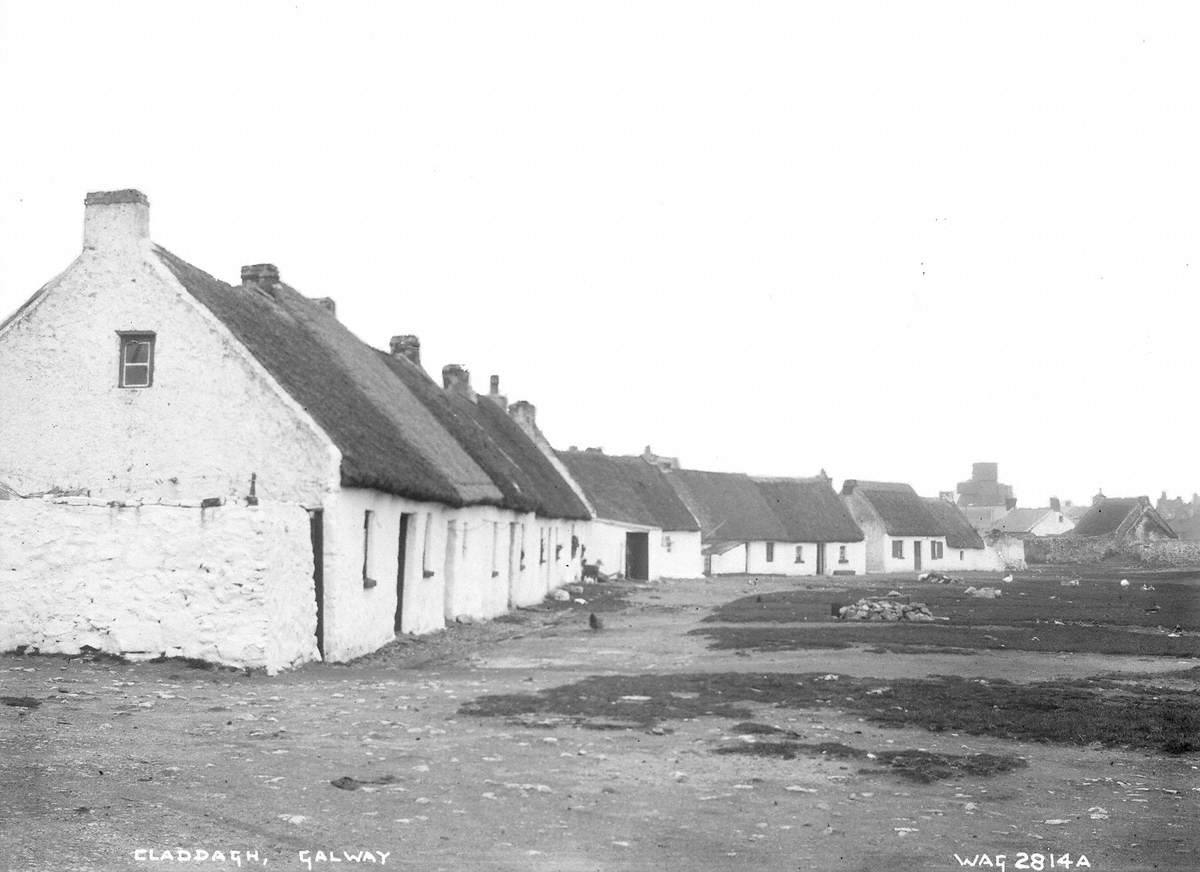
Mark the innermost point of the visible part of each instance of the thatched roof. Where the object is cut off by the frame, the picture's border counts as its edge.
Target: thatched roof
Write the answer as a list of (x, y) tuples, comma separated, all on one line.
[(903, 512), (389, 439), (809, 510), (958, 530), (1117, 516), (729, 506), (524, 475), (628, 490)]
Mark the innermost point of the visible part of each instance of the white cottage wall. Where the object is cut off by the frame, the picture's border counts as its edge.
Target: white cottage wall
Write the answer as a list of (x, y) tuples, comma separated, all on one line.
[(229, 584), (732, 562), (360, 617), (211, 419), (680, 555)]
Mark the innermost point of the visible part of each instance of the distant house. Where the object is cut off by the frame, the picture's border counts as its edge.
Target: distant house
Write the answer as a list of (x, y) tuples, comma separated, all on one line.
[(770, 526), (965, 548), (1124, 520), (1047, 521), (316, 495), (640, 527), (902, 532)]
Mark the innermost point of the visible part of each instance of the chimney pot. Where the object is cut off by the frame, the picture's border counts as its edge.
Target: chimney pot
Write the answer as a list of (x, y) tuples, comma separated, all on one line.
[(494, 386), (524, 413), (260, 275), (494, 393), (457, 378), (408, 346), (115, 219)]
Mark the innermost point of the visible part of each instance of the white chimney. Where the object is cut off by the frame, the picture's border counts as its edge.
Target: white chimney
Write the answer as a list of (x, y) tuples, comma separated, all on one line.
[(113, 220)]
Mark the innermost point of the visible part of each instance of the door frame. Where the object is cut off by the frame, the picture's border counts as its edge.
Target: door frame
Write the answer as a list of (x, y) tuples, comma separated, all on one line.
[(402, 547), (917, 555)]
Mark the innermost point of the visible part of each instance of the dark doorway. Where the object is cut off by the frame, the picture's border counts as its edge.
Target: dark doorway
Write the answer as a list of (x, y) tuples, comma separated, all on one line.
[(401, 566), (637, 556), (820, 558), (316, 532), (917, 556)]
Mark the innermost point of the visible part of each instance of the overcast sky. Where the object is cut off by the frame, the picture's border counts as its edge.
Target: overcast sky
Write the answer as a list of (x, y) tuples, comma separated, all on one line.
[(884, 239)]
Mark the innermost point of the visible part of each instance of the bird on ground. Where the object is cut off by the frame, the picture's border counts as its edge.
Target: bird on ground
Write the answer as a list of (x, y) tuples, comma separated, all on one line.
[(1007, 578), (1147, 587), (1176, 633), (1153, 609), (594, 622), (1124, 582)]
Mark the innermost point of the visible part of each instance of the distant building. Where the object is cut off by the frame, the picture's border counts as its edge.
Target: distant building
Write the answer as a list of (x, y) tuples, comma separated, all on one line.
[(641, 529), (965, 548), (983, 498), (1125, 520), (902, 532), (1048, 521), (770, 526)]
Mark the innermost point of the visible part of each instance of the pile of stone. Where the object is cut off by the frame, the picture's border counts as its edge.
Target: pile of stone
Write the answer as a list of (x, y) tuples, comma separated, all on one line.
[(882, 609)]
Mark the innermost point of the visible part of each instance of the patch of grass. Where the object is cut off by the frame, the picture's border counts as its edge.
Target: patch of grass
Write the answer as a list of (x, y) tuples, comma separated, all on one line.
[(1067, 712), (1034, 603), (1047, 637), (924, 767)]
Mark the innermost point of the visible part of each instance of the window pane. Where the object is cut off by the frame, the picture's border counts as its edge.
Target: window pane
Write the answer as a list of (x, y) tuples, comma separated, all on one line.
[(137, 352), (137, 375)]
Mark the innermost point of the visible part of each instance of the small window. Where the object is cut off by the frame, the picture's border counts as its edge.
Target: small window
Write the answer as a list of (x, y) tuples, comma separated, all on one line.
[(898, 548), (368, 517), (937, 550), (842, 554), (770, 552), (541, 544), (962, 555), (799, 553), (137, 360)]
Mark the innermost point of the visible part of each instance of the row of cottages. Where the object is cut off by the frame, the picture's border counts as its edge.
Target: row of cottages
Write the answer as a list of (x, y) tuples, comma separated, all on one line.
[(770, 526), (906, 532), (641, 528), (135, 379)]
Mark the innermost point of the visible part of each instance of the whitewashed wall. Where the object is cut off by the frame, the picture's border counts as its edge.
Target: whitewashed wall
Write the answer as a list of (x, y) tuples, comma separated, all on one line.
[(732, 562), (906, 563), (231, 584), (679, 554), (211, 419), (358, 619)]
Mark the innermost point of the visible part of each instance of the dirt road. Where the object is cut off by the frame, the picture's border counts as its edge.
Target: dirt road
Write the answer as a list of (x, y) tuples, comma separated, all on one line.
[(108, 765)]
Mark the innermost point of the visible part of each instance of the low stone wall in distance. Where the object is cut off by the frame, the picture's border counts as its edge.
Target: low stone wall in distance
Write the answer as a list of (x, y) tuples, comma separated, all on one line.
[(1082, 550), (226, 584)]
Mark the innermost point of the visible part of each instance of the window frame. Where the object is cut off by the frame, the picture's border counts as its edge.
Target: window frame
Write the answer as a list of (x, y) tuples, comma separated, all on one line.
[(897, 549), (368, 519), (937, 550), (842, 558), (770, 552), (127, 339), (799, 554)]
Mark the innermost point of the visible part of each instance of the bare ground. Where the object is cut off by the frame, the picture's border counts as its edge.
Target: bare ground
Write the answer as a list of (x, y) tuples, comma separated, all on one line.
[(100, 759)]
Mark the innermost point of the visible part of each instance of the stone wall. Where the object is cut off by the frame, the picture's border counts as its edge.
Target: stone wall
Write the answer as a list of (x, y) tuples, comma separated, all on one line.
[(1082, 550), (228, 584)]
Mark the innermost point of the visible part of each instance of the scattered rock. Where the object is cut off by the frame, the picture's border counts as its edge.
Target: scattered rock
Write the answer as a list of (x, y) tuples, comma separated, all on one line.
[(884, 609)]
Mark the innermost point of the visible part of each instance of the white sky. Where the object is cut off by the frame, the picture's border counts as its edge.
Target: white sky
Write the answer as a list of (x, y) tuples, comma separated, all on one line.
[(886, 239)]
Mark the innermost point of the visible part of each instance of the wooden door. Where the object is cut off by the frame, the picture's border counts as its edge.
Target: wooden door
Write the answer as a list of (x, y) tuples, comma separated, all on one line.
[(316, 533), (917, 556), (401, 566)]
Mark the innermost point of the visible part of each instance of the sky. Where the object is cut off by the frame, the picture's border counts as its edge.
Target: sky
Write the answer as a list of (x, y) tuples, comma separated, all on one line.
[(880, 239)]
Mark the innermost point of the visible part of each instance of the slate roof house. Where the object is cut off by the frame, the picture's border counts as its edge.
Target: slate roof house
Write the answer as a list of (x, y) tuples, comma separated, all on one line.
[(902, 532), (1124, 521), (144, 381), (1044, 521), (770, 526), (640, 528)]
